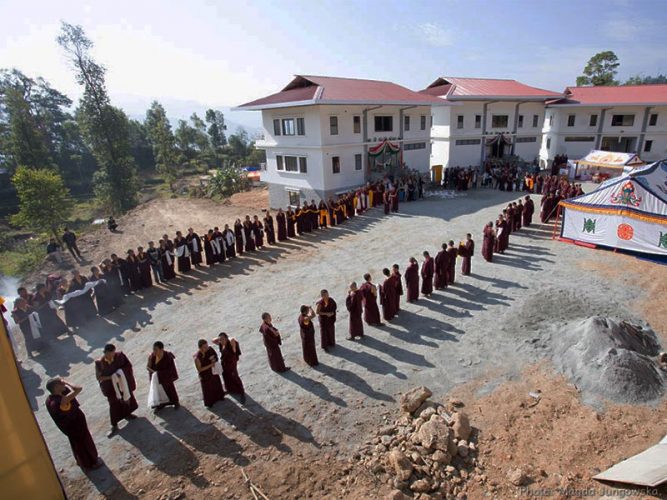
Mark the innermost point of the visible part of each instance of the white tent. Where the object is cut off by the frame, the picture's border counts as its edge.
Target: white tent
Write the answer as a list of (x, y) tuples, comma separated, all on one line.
[(606, 162), (628, 212)]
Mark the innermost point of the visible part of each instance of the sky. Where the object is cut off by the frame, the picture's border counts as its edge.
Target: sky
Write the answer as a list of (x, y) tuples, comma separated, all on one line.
[(195, 54)]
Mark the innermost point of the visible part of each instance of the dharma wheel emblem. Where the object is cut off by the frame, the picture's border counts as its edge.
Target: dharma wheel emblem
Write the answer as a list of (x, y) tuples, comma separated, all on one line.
[(625, 231)]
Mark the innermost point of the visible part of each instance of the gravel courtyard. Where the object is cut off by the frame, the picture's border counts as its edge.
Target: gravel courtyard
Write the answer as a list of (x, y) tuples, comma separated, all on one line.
[(488, 326)]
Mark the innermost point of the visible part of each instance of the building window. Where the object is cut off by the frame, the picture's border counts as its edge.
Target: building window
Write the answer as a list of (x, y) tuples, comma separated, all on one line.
[(303, 166), (579, 139), (549, 141), (279, 162), (499, 121), (478, 121), (593, 121), (291, 164), (406, 123), (356, 124), (294, 197), (276, 127), (300, 126), (414, 145), (536, 120), (647, 146), (653, 120), (333, 125), (459, 121), (335, 164), (468, 142), (384, 123), (357, 162), (520, 124), (422, 122), (622, 120), (526, 139), (570, 120), (551, 120), (288, 126)]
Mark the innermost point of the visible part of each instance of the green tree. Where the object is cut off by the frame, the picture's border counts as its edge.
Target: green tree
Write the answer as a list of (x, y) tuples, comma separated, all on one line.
[(192, 141), (600, 70), (105, 128), (140, 146), (163, 142), (44, 201), (228, 180), (216, 129), (646, 80)]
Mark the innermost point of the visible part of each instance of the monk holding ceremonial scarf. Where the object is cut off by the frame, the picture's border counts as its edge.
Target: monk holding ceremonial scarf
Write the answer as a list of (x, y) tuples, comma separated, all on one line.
[(269, 229), (326, 312), (290, 218), (182, 252), (230, 352), (388, 296), (354, 305), (116, 377), (398, 283), (528, 211), (441, 268), (307, 330), (488, 243), (272, 343), (194, 243), (68, 417), (324, 214), (452, 252), (412, 280), (469, 251), (281, 223), (206, 362), (369, 294), (248, 236), (161, 365), (239, 231), (427, 272)]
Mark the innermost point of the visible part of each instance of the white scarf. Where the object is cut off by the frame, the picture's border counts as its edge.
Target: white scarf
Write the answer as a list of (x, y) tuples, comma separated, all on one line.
[(120, 386), (77, 293), (195, 245), (120, 275), (215, 244), (35, 325), (169, 255), (156, 394), (182, 251), (217, 368), (229, 236)]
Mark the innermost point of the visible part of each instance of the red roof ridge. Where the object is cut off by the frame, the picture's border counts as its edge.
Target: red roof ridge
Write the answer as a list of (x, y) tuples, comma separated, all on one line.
[(347, 78), (616, 86)]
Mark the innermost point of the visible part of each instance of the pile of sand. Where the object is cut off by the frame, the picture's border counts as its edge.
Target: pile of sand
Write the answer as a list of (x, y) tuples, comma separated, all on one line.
[(611, 360)]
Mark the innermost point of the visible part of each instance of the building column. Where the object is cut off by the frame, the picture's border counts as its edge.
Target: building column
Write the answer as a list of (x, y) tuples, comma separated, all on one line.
[(364, 138), (515, 126), (482, 155), (642, 134), (598, 139)]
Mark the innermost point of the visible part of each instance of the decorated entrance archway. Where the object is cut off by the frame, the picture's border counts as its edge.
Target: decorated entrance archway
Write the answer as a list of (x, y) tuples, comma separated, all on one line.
[(498, 146), (384, 157)]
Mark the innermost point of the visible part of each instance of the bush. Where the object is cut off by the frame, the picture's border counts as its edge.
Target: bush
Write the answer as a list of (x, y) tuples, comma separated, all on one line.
[(22, 258), (227, 181)]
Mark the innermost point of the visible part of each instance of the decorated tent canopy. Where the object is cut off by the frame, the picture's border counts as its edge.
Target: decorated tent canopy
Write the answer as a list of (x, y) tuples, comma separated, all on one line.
[(628, 212), (610, 159), (384, 147)]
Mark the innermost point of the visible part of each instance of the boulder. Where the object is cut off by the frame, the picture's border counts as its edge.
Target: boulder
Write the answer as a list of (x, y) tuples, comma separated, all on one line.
[(441, 457), (413, 399), (434, 434), (461, 425), (518, 477), (401, 465)]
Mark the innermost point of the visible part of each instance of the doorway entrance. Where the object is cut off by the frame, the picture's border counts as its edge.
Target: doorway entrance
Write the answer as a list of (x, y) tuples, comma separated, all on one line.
[(619, 144)]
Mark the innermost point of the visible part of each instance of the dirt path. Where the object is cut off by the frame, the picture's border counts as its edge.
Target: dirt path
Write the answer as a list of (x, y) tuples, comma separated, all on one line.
[(296, 433)]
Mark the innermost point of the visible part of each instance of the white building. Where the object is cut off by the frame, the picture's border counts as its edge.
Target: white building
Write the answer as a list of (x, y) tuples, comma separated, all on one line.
[(318, 132), (627, 118), (486, 118)]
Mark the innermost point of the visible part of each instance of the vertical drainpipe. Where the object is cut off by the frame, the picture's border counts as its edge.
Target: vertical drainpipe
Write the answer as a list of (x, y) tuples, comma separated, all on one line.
[(364, 140), (516, 126), (642, 135), (598, 139), (483, 148)]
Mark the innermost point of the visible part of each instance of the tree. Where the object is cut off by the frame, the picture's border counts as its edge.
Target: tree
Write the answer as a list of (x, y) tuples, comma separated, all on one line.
[(646, 80), (192, 142), (104, 127), (227, 181), (140, 146), (600, 70), (216, 129), (163, 142), (44, 201), (238, 144)]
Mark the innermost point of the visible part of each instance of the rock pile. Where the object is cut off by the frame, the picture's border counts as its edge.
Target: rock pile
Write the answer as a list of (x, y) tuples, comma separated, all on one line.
[(428, 452)]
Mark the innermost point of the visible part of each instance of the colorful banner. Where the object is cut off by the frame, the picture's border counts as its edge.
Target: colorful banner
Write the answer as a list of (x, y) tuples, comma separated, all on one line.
[(384, 146)]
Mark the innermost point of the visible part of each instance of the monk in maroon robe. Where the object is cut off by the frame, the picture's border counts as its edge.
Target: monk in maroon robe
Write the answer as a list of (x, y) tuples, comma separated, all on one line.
[(528, 211), (116, 377), (354, 305), (502, 235), (469, 251), (441, 263), (68, 417), (388, 296), (281, 223), (412, 280), (307, 332), (230, 352), (519, 209), (269, 229), (209, 377), (238, 236), (394, 200), (488, 242), (195, 246), (326, 313), (258, 232), (398, 283), (427, 272), (386, 200), (161, 363), (272, 343), (451, 272), (369, 295)]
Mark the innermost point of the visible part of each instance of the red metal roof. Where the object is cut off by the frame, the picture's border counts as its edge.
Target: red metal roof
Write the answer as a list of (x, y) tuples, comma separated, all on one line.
[(622, 94), (454, 88), (305, 89)]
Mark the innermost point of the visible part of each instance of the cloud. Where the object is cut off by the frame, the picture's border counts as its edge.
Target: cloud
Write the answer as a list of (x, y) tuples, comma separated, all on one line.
[(627, 28), (435, 35)]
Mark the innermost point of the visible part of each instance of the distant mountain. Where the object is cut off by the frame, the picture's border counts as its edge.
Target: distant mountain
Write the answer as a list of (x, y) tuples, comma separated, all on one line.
[(180, 109)]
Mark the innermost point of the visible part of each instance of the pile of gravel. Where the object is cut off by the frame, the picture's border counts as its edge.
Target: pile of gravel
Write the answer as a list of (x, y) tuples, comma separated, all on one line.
[(613, 360)]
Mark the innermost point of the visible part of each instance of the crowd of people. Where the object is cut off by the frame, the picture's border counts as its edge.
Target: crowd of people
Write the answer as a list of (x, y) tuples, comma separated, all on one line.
[(371, 303)]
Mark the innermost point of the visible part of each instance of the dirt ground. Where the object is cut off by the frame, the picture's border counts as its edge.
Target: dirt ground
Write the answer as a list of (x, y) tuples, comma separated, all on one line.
[(484, 340)]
